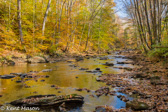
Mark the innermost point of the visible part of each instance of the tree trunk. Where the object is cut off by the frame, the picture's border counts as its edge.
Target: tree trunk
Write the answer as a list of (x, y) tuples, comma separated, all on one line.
[(88, 36), (45, 16), (9, 15), (148, 24), (19, 20)]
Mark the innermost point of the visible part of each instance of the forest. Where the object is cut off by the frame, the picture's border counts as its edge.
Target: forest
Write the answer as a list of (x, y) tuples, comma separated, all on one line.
[(84, 55), (57, 25)]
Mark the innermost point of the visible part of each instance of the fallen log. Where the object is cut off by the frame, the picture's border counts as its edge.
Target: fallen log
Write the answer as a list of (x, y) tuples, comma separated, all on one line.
[(47, 100)]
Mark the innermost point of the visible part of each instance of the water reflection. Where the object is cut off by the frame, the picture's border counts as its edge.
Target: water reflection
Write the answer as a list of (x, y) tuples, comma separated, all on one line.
[(66, 77)]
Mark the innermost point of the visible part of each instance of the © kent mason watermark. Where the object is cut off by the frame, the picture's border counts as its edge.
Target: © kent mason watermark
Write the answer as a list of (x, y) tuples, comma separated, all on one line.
[(22, 108)]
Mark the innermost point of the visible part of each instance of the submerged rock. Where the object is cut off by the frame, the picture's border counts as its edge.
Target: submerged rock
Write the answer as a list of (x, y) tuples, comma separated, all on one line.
[(84, 69), (79, 58), (6, 76), (103, 58), (94, 71), (103, 109), (135, 105), (18, 81), (123, 98), (47, 70)]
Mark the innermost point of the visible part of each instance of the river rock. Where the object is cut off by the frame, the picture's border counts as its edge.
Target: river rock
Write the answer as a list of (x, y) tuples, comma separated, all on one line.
[(123, 98), (109, 64), (6, 76), (21, 75), (103, 109), (103, 58), (18, 81), (139, 75), (156, 81), (47, 70), (37, 59), (155, 78), (120, 62), (79, 58), (98, 79), (42, 80), (70, 61), (73, 66), (126, 68), (94, 71), (52, 85), (97, 69), (84, 69), (10, 62), (102, 90), (47, 76), (137, 106), (125, 62), (78, 89)]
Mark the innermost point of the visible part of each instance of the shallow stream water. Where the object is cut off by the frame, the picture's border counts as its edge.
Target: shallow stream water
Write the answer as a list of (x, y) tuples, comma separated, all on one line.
[(64, 76)]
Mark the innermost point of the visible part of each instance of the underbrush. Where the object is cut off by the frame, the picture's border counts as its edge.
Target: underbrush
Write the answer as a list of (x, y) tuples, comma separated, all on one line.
[(159, 54)]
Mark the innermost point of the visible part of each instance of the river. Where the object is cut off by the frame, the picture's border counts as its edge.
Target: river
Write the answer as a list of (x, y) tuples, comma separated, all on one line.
[(65, 76)]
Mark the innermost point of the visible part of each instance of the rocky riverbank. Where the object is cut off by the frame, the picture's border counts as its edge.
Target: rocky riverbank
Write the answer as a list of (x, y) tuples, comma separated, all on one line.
[(13, 59), (147, 83)]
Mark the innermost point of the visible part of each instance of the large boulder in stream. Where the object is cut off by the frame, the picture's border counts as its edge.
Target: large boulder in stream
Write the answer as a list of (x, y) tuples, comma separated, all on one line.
[(137, 106), (37, 59), (48, 100)]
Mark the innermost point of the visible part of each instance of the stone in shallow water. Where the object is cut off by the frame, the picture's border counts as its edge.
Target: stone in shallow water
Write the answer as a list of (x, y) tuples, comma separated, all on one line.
[(18, 81), (135, 105), (47, 70), (93, 71), (11, 63), (97, 69), (6, 76), (37, 59), (103, 109), (79, 58), (109, 64), (84, 69), (103, 58)]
